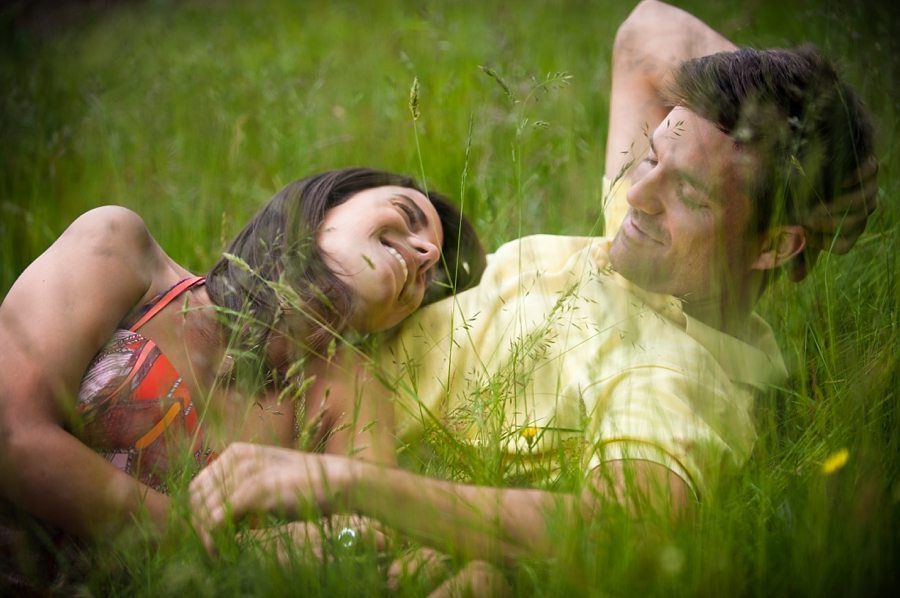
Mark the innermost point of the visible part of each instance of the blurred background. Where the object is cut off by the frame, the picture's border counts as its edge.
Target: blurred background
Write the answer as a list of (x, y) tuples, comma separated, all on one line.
[(194, 113)]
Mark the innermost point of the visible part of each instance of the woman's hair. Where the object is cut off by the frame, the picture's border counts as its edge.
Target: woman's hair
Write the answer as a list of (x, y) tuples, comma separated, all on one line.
[(274, 261)]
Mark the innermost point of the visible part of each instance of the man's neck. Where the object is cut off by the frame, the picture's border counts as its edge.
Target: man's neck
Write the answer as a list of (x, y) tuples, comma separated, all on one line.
[(723, 315), (730, 311)]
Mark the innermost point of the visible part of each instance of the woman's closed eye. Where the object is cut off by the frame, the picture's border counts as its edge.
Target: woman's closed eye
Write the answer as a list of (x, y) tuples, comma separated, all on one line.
[(408, 214)]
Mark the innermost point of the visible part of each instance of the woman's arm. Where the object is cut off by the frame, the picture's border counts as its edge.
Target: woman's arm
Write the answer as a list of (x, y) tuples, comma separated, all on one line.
[(494, 524), (361, 413), (54, 319)]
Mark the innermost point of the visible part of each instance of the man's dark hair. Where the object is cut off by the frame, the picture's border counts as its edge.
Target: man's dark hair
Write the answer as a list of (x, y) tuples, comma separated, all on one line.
[(805, 127), (277, 249)]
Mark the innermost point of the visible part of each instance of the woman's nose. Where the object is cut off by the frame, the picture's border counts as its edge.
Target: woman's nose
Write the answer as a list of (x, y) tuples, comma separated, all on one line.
[(426, 252)]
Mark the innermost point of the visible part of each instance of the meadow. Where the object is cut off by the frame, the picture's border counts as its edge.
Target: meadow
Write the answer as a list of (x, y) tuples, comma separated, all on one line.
[(194, 113)]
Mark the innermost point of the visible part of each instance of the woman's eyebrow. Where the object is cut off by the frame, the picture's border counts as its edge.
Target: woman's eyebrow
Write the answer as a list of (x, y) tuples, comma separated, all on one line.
[(419, 220)]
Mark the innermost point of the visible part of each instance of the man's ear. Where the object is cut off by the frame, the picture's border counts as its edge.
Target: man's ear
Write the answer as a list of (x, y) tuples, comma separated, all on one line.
[(780, 245)]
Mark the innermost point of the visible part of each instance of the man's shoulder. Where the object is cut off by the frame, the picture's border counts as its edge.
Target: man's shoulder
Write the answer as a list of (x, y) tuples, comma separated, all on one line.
[(543, 248)]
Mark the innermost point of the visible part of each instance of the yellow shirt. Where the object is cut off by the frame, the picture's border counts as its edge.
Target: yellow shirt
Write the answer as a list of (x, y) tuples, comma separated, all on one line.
[(558, 360)]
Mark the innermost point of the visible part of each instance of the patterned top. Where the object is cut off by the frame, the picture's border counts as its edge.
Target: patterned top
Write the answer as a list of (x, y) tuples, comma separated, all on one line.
[(135, 409)]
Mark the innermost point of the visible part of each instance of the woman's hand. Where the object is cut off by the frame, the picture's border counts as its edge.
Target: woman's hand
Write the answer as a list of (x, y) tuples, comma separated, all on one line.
[(249, 478), (317, 540)]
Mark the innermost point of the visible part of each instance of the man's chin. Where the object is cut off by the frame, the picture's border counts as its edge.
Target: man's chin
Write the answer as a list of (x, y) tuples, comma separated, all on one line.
[(625, 260), (639, 269)]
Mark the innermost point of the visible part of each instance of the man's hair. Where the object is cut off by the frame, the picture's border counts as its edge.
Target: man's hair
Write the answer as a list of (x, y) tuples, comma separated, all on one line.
[(276, 255), (805, 127)]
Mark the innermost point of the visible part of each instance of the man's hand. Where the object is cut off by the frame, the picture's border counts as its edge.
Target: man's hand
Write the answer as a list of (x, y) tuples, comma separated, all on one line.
[(431, 572), (837, 225)]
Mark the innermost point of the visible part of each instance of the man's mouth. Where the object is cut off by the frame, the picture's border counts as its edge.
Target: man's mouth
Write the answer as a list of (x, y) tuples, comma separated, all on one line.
[(639, 232)]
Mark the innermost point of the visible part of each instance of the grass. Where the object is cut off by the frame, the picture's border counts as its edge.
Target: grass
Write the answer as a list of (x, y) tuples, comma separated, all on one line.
[(195, 113)]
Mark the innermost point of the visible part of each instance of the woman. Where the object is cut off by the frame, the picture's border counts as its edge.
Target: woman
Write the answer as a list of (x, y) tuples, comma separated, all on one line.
[(112, 349)]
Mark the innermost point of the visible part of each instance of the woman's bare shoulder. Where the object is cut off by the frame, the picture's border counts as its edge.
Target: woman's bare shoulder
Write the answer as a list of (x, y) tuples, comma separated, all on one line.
[(107, 227), (102, 265), (118, 234)]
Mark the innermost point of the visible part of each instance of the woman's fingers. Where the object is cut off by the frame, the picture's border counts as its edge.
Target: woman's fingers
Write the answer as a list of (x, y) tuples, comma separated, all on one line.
[(316, 541), (303, 539), (427, 565), (227, 488), (248, 478)]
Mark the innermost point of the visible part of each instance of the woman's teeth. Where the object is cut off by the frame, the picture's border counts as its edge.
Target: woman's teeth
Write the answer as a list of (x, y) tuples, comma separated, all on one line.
[(400, 259)]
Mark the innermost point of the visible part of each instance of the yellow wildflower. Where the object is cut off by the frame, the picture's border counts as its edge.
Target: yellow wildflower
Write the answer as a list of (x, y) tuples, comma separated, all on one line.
[(835, 461)]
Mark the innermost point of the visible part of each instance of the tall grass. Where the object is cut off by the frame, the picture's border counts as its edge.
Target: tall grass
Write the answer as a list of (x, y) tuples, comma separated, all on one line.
[(194, 113)]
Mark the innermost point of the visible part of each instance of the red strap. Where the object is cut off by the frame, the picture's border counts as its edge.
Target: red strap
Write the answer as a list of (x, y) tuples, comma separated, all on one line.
[(171, 295)]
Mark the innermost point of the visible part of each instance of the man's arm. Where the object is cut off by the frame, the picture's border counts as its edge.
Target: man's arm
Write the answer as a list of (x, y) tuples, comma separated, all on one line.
[(650, 44)]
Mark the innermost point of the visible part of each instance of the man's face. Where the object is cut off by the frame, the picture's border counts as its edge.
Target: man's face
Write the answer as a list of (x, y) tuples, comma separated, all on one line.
[(687, 229)]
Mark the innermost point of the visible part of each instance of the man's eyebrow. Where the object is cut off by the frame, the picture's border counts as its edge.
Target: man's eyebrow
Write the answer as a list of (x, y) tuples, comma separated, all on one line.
[(694, 181), (419, 220)]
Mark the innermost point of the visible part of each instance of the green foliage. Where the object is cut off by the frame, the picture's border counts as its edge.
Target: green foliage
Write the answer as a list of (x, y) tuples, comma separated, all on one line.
[(195, 113)]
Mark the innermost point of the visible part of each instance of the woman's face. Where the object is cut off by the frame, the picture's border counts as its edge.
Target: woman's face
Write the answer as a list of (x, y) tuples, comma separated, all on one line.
[(383, 243)]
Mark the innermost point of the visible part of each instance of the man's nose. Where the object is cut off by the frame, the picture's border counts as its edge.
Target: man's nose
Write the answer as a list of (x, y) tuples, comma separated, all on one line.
[(643, 195)]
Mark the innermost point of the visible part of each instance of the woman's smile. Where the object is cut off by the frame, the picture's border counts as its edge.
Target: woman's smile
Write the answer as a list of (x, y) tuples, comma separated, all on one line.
[(403, 265)]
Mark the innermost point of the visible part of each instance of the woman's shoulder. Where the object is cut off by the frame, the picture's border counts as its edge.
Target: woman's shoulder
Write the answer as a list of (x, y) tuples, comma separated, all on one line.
[(109, 253), (119, 234), (111, 224), (66, 304)]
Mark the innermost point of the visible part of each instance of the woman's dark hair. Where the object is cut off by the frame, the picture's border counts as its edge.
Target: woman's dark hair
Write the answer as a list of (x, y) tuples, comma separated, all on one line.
[(275, 255), (806, 128)]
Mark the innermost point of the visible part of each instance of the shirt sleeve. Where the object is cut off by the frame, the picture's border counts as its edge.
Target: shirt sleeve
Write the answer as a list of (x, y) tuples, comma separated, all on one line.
[(697, 427)]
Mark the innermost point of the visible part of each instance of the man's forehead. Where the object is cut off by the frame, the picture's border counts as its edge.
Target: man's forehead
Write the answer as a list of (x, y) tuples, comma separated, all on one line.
[(700, 151), (689, 128)]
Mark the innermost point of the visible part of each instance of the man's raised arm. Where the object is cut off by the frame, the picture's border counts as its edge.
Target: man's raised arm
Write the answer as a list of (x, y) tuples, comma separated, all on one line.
[(650, 44)]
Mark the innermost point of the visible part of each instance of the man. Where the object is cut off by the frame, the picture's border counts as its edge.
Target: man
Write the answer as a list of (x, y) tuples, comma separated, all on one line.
[(633, 360)]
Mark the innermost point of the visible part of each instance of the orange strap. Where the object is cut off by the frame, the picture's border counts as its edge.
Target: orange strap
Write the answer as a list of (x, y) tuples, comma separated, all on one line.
[(160, 427), (171, 295)]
